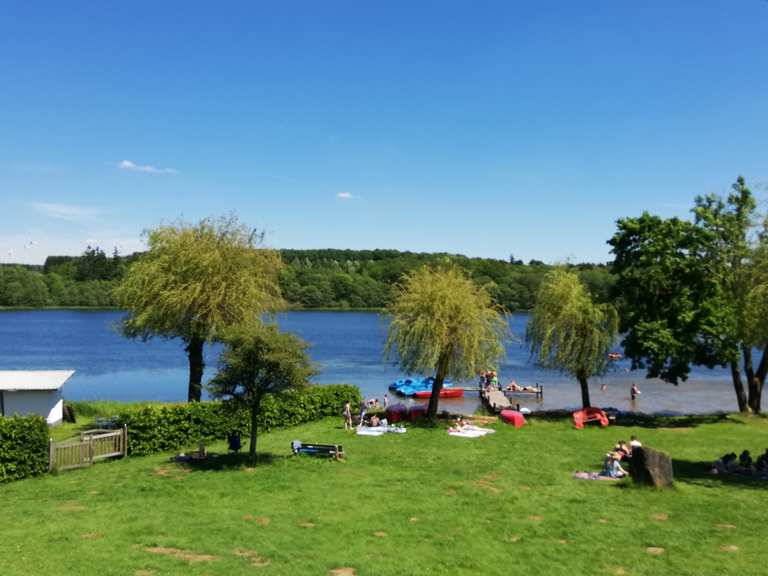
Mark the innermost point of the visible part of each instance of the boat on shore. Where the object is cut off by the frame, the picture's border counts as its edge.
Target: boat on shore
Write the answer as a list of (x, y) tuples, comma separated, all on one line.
[(413, 386), (444, 393)]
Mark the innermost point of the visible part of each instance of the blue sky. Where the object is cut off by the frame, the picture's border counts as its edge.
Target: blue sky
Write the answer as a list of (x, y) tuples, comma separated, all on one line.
[(483, 128)]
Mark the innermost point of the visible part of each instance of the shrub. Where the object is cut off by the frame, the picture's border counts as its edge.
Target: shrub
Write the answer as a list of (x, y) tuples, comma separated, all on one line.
[(23, 447), (167, 428)]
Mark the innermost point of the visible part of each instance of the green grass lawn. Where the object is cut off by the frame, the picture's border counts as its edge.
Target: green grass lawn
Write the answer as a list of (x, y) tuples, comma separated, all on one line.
[(401, 504)]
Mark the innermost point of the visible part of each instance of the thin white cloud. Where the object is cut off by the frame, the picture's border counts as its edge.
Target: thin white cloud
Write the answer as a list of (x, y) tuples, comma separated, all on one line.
[(146, 168), (68, 212), (344, 195)]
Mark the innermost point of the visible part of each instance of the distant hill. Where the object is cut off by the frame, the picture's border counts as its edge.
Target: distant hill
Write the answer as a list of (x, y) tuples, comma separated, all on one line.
[(320, 278)]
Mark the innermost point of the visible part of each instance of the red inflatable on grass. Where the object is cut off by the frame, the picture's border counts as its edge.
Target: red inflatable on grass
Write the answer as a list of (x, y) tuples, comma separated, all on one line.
[(397, 412), (513, 417), (581, 417), (417, 411)]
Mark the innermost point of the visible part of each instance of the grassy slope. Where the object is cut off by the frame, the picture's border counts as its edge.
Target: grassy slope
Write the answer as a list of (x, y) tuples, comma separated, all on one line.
[(503, 504)]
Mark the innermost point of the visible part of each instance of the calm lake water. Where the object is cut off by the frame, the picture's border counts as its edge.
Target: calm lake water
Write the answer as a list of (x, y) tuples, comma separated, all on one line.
[(346, 345)]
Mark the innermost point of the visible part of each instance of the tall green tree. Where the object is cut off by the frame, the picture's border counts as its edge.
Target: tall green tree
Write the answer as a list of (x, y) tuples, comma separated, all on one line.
[(442, 323), (195, 281), (568, 331), (695, 293), (259, 360)]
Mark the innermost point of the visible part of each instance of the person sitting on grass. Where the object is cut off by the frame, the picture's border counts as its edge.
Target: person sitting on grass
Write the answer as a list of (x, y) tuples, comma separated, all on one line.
[(745, 462), (611, 466), (459, 425), (726, 463), (623, 450), (761, 465)]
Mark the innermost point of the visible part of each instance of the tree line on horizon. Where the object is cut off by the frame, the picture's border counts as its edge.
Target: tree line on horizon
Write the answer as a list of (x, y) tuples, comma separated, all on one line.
[(310, 279)]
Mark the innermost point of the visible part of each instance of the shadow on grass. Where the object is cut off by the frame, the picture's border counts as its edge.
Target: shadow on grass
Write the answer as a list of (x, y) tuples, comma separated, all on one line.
[(231, 461), (698, 472), (651, 421), (639, 420)]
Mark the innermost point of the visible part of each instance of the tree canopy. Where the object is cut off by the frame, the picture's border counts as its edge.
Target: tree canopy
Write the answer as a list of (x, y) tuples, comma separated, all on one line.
[(695, 293), (196, 281), (568, 331), (259, 360), (442, 323)]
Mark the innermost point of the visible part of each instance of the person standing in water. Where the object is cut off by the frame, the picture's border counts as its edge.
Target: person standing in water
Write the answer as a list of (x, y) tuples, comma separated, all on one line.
[(634, 392)]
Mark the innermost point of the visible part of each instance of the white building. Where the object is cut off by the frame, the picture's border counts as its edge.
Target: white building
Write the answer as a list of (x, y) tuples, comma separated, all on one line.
[(25, 392)]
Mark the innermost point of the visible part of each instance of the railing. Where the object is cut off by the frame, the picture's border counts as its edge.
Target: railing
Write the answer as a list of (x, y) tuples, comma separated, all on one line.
[(93, 445)]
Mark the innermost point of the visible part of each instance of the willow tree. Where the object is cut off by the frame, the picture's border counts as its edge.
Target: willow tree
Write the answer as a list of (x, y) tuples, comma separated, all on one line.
[(444, 324), (568, 331), (257, 361), (195, 281)]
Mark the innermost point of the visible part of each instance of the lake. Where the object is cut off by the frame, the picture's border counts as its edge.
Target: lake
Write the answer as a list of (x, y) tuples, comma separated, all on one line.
[(347, 346)]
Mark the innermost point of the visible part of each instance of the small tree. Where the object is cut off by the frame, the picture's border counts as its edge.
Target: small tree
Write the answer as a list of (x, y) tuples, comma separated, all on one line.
[(442, 323), (568, 331), (196, 281), (259, 360)]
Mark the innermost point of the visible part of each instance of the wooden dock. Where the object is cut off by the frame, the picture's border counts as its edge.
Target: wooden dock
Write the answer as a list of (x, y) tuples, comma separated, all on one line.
[(495, 400)]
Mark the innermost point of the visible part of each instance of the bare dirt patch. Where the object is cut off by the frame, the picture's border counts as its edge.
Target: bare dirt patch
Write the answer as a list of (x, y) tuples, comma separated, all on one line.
[(603, 520), (260, 520), (655, 550), (307, 525), (729, 548), (91, 536), (562, 541), (253, 557), (486, 483), (513, 538), (71, 506), (342, 572), (726, 526), (188, 555), (380, 534), (450, 492), (413, 519), (661, 517), (535, 518)]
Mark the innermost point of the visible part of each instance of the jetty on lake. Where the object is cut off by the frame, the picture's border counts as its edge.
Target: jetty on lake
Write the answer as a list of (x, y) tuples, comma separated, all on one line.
[(496, 400)]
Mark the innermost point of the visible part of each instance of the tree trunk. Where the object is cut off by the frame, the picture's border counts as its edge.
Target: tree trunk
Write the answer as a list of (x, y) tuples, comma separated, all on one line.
[(756, 389), (752, 383), (254, 433), (437, 386), (741, 399), (195, 353), (581, 375)]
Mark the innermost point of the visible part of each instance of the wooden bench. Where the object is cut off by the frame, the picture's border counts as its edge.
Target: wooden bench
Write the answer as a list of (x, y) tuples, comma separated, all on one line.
[(323, 450)]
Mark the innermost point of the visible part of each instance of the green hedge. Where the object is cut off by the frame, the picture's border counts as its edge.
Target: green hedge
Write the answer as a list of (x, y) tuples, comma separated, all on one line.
[(23, 447), (167, 428)]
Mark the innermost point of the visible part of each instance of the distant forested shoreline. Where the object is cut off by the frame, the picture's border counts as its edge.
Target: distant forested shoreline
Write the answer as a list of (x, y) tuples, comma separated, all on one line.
[(312, 279)]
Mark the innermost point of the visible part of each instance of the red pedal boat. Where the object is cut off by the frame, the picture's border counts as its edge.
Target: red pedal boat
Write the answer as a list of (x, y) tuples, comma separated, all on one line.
[(444, 393)]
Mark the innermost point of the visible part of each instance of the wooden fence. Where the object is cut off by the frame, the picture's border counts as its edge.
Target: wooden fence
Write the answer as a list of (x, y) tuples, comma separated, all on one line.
[(92, 446)]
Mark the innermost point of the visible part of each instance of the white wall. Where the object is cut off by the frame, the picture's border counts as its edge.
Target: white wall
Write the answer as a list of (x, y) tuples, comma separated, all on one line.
[(46, 403)]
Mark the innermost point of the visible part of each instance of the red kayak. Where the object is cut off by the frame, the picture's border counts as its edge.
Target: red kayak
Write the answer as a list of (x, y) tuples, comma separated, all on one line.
[(444, 393)]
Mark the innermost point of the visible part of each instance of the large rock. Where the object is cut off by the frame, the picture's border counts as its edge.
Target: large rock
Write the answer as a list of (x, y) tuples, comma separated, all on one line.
[(651, 467)]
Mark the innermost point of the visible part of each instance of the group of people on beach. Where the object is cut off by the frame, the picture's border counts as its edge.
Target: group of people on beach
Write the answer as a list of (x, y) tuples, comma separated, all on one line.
[(364, 406), (622, 452), (743, 464)]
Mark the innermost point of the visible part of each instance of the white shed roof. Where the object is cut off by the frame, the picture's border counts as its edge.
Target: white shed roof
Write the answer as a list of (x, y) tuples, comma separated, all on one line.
[(34, 379)]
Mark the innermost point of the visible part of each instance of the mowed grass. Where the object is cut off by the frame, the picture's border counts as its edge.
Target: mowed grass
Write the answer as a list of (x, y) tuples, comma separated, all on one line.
[(401, 504)]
